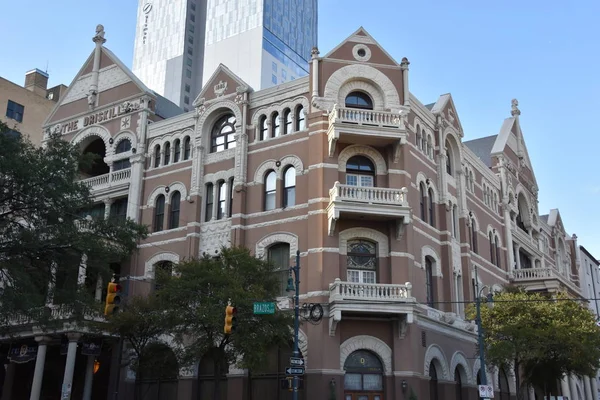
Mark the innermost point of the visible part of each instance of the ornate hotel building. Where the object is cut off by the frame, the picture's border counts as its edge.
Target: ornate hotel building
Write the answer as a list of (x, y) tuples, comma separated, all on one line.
[(398, 220)]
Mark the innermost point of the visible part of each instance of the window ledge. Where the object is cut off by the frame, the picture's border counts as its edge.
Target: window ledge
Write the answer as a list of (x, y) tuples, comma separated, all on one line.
[(167, 231)]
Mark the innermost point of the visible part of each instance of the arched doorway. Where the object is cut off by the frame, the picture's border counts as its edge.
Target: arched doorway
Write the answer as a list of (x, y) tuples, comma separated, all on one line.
[(433, 382), (503, 385), (364, 376), (94, 151), (157, 373), (458, 384), (212, 377), (269, 382)]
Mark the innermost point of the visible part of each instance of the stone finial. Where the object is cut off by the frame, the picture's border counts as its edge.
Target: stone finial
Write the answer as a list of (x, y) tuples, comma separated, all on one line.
[(314, 52), (404, 61), (514, 109), (99, 34)]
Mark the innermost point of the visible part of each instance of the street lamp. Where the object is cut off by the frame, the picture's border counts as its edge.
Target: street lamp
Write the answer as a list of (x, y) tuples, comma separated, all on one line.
[(490, 299), (293, 285)]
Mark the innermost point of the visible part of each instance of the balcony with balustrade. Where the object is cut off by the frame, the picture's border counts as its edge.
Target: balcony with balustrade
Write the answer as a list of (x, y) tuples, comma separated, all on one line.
[(372, 299), (375, 203), (113, 181), (546, 279), (363, 126)]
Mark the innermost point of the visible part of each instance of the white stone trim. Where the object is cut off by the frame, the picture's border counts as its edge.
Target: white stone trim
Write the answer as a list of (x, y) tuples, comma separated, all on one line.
[(291, 104), (279, 237), (125, 134), (95, 130), (358, 149), (219, 176), (429, 251), (154, 194), (162, 256), (381, 239), (366, 342), (358, 57), (435, 354), (177, 186), (458, 358), (292, 160), (259, 174), (362, 72), (361, 86)]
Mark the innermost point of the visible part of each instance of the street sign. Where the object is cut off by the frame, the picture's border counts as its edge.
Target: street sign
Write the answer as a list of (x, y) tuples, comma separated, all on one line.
[(264, 307), (296, 362), (294, 371), (486, 391)]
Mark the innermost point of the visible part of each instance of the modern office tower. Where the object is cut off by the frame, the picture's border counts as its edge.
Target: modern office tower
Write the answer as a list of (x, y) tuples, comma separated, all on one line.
[(264, 42), (169, 48), (180, 43)]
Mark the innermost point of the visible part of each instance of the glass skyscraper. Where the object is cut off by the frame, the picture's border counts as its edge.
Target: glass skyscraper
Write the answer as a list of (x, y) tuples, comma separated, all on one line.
[(180, 43)]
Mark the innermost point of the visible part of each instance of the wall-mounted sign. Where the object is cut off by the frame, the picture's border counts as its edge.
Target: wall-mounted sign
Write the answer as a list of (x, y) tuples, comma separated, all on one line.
[(22, 353), (146, 9)]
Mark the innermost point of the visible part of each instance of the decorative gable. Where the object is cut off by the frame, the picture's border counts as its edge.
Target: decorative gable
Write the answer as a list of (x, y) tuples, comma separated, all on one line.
[(361, 47), (222, 84), (446, 109)]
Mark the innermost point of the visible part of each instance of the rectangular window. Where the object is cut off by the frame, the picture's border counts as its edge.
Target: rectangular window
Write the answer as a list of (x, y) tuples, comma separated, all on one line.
[(279, 256), (15, 111), (189, 62), (274, 66), (186, 99), (118, 209), (193, 6), (209, 202), (283, 73), (187, 88), (188, 73), (274, 79), (222, 200), (190, 39), (191, 28), (192, 18), (190, 51)]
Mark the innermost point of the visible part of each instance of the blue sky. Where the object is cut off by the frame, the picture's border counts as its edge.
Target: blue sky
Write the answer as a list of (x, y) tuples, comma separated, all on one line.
[(544, 53)]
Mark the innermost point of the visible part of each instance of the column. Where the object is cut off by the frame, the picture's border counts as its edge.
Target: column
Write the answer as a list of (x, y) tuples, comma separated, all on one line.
[(531, 393), (594, 383), (8, 382), (70, 366), (518, 259), (107, 204), (573, 385), (588, 388), (564, 387), (38, 374), (89, 378)]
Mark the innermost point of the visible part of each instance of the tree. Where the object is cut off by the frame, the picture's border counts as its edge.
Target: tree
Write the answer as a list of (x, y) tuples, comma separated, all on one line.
[(543, 337), (43, 235), (198, 295), (141, 325)]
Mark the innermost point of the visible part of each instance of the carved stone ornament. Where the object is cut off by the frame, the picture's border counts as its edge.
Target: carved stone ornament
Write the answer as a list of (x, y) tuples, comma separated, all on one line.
[(127, 107), (57, 129), (514, 108), (239, 98), (92, 98), (200, 110), (220, 88)]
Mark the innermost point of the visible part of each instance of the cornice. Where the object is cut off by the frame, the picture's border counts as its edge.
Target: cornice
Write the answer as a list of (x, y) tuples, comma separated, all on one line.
[(176, 123)]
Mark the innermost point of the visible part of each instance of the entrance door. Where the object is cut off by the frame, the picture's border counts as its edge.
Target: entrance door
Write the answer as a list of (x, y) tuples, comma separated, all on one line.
[(363, 379)]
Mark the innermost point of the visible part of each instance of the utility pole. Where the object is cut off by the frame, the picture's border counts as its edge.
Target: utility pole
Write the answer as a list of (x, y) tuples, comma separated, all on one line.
[(296, 288)]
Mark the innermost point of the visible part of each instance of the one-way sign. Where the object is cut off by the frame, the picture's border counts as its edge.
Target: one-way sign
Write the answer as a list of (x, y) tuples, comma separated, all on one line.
[(294, 371), (296, 362)]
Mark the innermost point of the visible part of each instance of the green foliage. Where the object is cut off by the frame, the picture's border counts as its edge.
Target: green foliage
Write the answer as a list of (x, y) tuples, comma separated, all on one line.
[(412, 395), (545, 337), (41, 229), (197, 298)]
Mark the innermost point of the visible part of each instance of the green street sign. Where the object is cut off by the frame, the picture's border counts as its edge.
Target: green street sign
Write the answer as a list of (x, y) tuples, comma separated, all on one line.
[(264, 307)]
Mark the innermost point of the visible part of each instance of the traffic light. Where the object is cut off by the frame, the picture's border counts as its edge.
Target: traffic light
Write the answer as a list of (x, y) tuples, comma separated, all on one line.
[(230, 319), (113, 299)]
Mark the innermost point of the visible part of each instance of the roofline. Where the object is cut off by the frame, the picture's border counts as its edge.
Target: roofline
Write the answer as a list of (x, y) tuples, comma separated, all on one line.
[(589, 255)]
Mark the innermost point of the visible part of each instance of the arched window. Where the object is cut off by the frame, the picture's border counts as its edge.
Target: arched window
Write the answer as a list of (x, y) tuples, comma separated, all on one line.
[(363, 378), (279, 256), (449, 166), (223, 134), (429, 283), (276, 125), (471, 181), (361, 260), (360, 171), (433, 382), (359, 100), (429, 146), (455, 221), (473, 235), (123, 146), (492, 254), (158, 371), (431, 209), (230, 187), (289, 187), (175, 208), (157, 156), (300, 119), (423, 202), (221, 200), (167, 153), (209, 194), (497, 250), (418, 137), (177, 152), (186, 148), (264, 128), (458, 394), (270, 190), (287, 117), (423, 141), (159, 213)]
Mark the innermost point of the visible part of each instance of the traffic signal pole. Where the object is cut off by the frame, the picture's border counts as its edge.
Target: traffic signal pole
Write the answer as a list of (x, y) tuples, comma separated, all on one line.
[(296, 270)]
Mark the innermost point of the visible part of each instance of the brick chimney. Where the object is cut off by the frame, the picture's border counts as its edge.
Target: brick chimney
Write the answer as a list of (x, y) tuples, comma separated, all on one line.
[(36, 81)]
